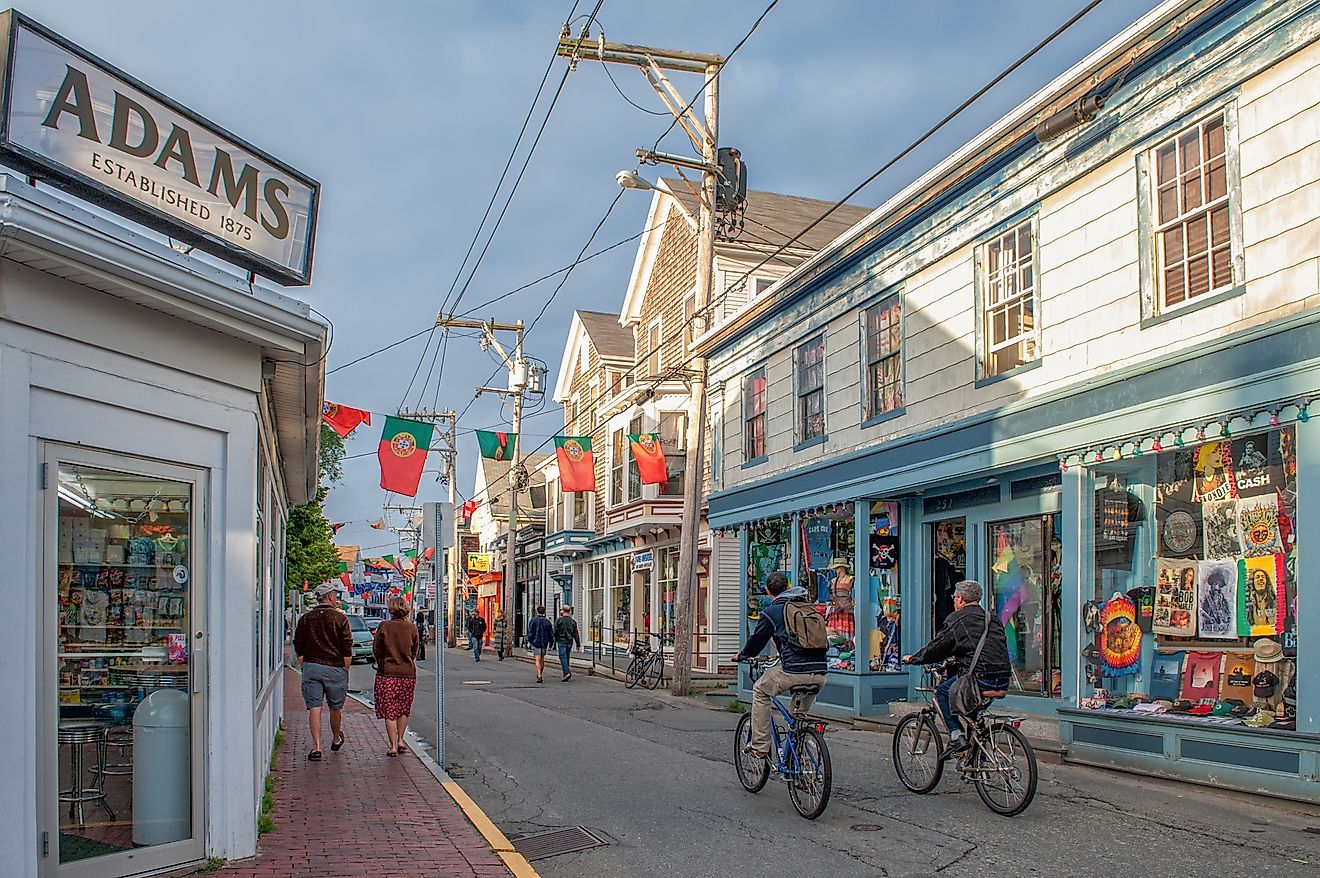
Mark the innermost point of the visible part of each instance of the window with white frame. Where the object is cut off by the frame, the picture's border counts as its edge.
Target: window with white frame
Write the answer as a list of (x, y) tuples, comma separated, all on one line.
[(754, 415), (1193, 239), (653, 348), (762, 284), (625, 478), (809, 383), (1008, 300), (673, 439), (581, 509), (689, 322), (884, 356)]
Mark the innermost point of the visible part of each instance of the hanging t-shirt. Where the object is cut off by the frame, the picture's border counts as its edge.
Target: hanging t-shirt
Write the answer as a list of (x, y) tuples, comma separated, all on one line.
[(1118, 514), (92, 614), (1144, 600), (1235, 682), (1201, 675), (1166, 676)]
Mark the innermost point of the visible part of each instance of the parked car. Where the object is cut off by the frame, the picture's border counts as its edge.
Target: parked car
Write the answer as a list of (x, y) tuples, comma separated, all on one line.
[(374, 623), (363, 638)]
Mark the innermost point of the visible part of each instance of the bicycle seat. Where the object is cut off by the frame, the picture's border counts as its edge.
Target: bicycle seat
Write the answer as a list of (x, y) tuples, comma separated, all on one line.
[(805, 689), (993, 693)]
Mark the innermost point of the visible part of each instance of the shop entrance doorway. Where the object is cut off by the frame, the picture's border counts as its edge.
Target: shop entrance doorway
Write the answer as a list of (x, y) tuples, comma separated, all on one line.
[(1023, 576), (948, 548), (123, 692)]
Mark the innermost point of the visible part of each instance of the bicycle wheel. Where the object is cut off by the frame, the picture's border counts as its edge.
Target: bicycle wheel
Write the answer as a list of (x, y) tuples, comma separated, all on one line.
[(917, 747), (633, 675), (752, 772), (654, 671), (1005, 770), (809, 776)]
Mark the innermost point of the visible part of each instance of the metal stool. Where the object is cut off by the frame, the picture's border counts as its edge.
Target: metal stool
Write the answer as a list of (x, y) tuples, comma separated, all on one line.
[(120, 738), (77, 734)]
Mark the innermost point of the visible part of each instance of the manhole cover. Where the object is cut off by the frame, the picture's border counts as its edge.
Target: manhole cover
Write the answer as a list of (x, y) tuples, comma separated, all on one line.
[(866, 827), (540, 845)]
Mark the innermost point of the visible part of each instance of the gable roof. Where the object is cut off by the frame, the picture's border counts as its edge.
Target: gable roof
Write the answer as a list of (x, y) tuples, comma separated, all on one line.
[(611, 341), (771, 220), (774, 219)]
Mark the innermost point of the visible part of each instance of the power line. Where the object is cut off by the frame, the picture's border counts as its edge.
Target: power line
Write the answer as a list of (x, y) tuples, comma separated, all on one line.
[(545, 121), (916, 143), (732, 52)]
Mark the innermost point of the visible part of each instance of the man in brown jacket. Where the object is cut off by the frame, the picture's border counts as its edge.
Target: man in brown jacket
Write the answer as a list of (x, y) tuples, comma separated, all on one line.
[(324, 643)]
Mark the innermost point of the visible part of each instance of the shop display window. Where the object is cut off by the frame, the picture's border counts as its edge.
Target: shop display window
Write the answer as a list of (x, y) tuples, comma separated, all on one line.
[(767, 552), (668, 583), (595, 600), (124, 597), (620, 582), (826, 549), (883, 647), (1193, 610)]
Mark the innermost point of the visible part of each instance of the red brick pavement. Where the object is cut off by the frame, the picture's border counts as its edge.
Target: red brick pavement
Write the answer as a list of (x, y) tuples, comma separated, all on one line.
[(360, 813)]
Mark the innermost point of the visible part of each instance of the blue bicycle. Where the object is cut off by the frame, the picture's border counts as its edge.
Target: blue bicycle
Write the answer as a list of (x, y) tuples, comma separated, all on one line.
[(798, 752)]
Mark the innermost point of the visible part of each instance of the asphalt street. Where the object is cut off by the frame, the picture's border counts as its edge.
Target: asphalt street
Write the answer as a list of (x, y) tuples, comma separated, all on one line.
[(654, 775)]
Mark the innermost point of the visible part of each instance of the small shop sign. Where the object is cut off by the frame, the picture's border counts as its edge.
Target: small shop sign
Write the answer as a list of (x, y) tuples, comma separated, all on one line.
[(85, 126), (643, 561)]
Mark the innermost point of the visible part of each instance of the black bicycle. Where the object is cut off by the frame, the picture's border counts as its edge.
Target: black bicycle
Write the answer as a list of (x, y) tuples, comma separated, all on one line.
[(798, 752), (999, 760), (647, 665)]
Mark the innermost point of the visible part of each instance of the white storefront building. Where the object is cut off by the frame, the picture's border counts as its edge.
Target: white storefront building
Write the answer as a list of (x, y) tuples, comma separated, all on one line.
[(160, 416)]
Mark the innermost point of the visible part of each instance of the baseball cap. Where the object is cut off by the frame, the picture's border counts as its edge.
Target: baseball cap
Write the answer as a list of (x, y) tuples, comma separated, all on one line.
[(324, 589)]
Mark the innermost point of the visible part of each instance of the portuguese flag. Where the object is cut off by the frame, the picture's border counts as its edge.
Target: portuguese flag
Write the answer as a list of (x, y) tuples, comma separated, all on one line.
[(650, 458), (342, 419), (497, 446), (577, 468), (402, 454)]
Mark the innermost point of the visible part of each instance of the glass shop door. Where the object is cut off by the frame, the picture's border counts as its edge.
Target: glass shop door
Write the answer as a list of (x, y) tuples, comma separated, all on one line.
[(123, 692), (1023, 578)]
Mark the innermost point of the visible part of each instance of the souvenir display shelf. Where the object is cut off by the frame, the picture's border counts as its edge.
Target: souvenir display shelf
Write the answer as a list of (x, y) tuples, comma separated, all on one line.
[(123, 610)]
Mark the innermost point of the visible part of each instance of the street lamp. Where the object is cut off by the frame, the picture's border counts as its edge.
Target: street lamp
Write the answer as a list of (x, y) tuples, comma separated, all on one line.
[(632, 180)]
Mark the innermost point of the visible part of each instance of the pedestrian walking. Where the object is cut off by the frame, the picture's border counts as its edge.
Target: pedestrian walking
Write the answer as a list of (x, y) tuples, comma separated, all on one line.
[(566, 636), (323, 643), (540, 634), (397, 642), (501, 628), (476, 629), (421, 636)]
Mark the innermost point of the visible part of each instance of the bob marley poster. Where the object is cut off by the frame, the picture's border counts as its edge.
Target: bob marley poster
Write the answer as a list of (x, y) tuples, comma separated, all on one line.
[(1175, 598), (1261, 596)]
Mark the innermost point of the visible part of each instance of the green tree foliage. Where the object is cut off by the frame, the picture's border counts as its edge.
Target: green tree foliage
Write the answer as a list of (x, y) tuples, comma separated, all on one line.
[(312, 557)]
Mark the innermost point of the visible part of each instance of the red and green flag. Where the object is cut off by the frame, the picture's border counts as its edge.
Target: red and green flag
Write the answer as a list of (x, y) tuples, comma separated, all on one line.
[(650, 458), (402, 454), (496, 446), (342, 419), (577, 468)]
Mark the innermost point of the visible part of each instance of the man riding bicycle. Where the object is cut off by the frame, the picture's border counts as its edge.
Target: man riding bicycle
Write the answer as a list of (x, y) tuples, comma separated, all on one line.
[(796, 666), (957, 639)]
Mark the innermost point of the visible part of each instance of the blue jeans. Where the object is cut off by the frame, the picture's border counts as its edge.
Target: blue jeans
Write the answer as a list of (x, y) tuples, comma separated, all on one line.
[(942, 698), (474, 644), (564, 650)]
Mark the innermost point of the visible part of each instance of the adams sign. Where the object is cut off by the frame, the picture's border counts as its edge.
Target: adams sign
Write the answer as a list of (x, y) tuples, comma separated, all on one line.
[(85, 126)]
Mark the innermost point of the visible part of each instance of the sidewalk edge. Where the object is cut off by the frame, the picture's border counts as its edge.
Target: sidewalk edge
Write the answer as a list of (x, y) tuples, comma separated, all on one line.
[(499, 843)]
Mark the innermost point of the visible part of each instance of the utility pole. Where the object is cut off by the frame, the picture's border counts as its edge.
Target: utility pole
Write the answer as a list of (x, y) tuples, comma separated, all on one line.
[(519, 376), (705, 139)]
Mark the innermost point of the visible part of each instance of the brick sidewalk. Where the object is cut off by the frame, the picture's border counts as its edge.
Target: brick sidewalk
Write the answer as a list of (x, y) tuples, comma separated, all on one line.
[(359, 812)]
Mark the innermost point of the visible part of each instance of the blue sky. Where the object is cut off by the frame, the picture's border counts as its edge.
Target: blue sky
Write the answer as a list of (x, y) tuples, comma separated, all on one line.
[(406, 112)]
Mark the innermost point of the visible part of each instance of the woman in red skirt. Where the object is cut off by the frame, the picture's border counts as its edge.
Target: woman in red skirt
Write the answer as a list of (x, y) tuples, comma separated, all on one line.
[(395, 650)]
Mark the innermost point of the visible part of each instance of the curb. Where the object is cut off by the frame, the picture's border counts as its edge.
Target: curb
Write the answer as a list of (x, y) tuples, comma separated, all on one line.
[(498, 841)]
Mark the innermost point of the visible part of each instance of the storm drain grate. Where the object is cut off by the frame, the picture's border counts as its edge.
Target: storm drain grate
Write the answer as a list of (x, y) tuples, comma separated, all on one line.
[(540, 845)]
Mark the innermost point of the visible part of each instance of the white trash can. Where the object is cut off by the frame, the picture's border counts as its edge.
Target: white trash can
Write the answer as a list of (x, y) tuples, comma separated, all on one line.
[(162, 775)]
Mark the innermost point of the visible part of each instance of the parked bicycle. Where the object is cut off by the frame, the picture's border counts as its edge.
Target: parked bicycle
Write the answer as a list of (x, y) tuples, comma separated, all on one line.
[(798, 752), (647, 666), (999, 760)]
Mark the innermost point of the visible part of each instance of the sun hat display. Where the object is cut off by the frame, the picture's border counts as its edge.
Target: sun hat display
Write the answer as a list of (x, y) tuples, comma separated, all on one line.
[(1266, 650), (839, 561)]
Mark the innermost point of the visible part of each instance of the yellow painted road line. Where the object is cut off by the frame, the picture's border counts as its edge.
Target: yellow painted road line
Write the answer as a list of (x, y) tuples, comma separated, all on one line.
[(498, 842)]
